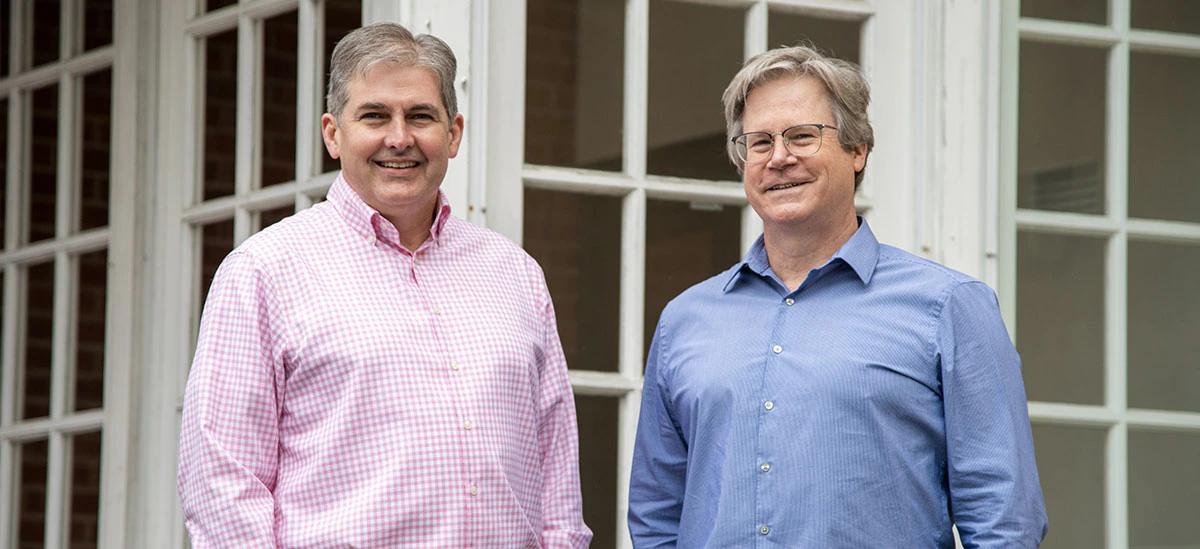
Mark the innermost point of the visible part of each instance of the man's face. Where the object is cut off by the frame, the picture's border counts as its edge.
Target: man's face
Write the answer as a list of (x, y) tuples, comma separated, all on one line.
[(394, 139), (814, 192)]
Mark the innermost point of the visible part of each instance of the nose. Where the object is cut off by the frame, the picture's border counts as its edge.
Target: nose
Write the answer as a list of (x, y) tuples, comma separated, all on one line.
[(780, 155), (399, 136)]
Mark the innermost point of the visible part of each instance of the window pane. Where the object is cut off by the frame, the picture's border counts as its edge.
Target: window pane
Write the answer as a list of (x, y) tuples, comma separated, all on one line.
[(685, 244), (1164, 311), (279, 100), (220, 114), (1060, 316), (31, 491), (686, 127), (1164, 486), (1060, 162), (44, 39), (271, 217), (1167, 15), (574, 83), (39, 331), (837, 38), (1070, 464), (1082, 11), (5, 15), (216, 243), (85, 490), (97, 148), (90, 330), (44, 168), (599, 419), (1162, 136), (577, 240), (213, 5), (3, 168), (97, 23), (341, 17)]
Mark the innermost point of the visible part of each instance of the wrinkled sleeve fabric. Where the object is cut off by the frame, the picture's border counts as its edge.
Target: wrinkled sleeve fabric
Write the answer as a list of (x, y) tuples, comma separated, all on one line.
[(659, 474), (562, 503), (229, 442), (995, 495)]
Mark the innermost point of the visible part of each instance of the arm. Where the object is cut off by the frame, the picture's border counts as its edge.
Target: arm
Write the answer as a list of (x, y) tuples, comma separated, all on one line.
[(562, 504), (229, 440), (659, 475), (995, 496)]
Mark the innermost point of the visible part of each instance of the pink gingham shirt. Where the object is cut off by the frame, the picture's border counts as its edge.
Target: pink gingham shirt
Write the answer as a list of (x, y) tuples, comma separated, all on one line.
[(348, 393)]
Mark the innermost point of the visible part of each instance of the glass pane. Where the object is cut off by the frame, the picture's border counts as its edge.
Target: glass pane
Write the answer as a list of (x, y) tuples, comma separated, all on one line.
[(3, 168), (90, 330), (1162, 136), (270, 217), (279, 100), (220, 114), (686, 127), (39, 332), (599, 419), (97, 23), (213, 5), (837, 38), (85, 490), (97, 148), (1164, 486), (1071, 468), (217, 242), (577, 240), (44, 168), (1164, 311), (1060, 316), (31, 491), (341, 17), (1167, 15), (1060, 163), (45, 32), (685, 244), (5, 15), (574, 83), (1081, 11)]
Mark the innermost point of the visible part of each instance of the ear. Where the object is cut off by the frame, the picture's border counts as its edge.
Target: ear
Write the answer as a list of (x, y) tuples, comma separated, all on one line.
[(329, 132), (456, 133), (860, 157)]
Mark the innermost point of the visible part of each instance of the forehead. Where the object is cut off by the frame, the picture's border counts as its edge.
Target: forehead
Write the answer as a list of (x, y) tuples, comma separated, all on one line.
[(390, 83), (786, 101)]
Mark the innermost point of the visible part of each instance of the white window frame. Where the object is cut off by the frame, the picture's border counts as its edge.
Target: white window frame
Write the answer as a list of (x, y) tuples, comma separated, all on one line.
[(1115, 225)]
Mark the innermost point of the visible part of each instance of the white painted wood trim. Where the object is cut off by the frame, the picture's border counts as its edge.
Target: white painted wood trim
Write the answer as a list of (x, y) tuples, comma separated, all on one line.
[(637, 82), (505, 151)]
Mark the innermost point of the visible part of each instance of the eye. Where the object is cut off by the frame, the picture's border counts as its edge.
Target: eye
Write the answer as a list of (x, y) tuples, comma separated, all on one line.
[(374, 116), (759, 141)]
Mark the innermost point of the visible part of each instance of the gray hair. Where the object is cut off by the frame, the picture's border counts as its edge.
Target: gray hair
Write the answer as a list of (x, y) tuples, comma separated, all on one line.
[(849, 94), (385, 42)]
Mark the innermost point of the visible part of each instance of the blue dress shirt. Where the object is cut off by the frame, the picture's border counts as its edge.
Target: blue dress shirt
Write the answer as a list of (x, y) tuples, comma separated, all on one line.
[(875, 406)]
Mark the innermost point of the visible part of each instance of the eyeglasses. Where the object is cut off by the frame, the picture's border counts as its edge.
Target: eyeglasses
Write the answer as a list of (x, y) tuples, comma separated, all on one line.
[(802, 140)]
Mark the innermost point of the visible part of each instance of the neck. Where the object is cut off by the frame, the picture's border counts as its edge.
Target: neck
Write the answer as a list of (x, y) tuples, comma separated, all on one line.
[(793, 251), (414, 229)]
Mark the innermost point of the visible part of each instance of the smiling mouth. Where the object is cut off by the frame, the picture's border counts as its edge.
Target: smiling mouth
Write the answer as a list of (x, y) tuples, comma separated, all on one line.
[(407, 164), (784, 186)]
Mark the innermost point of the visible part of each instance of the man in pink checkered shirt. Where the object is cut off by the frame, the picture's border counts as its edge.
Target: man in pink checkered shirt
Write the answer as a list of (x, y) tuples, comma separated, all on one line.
[(372, 372)]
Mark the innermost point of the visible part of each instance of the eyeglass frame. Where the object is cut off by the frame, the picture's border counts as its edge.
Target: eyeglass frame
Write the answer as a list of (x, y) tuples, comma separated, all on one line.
[(742, 149)]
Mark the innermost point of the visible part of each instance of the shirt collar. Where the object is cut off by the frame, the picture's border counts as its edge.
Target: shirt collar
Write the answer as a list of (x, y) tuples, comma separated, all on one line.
[(369, 223), (860, 252)]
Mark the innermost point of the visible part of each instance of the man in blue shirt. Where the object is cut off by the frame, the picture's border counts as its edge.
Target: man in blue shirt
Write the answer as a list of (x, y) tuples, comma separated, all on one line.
[(828, 391)]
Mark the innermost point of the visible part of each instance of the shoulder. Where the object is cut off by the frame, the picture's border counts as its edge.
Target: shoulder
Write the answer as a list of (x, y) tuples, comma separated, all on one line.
[(903, 272), (486, 245)]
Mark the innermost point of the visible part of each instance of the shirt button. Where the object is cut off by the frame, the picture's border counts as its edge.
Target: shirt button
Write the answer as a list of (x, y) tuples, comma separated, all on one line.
[(454, 366), (473, 490), (437, 310), (765, 467), (467, 425), (371, 240), (415, 260), (790, 301), (777, 349), (769, 405), (764, 530)]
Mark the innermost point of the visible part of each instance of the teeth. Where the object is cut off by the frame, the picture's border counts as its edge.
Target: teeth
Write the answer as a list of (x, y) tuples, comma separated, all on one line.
[(784, 186), (398, 164)]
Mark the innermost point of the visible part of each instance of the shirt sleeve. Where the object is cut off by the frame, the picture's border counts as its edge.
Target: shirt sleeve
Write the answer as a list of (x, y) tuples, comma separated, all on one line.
[(229, 441), (995, 497), (657, 479), (562, 503)]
